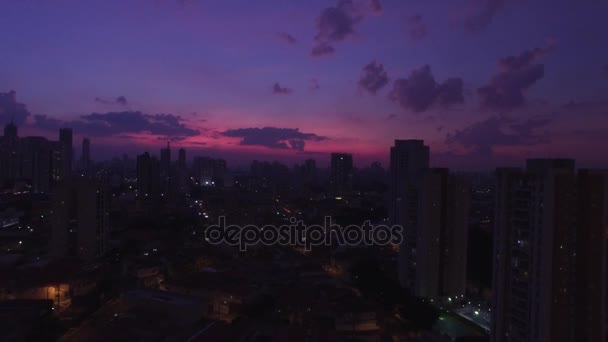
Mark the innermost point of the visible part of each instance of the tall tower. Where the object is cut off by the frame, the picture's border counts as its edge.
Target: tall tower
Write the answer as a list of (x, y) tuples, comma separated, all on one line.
[(182, 172), (181, 159), (310, 172), (409, 163), (80, 218), (441, 239), (592, 257), (9, 154), (66, 152), (36, 160), (86, 156), (341, 172), (148, 176), (535, 235), (165, 167), (10, 132)]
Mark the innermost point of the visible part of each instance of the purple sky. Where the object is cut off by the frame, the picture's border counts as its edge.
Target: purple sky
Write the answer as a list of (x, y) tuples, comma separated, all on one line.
[(485, 82)]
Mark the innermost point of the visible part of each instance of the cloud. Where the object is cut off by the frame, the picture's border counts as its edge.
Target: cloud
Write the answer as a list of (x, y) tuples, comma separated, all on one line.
[(120, 100), (500, 131), (116, 123), (374, 77), (420, 91), (322, 49), (11, 110), (505, 90), (484, 16), (416, 27), (527, 57), (314, 84), (172, 138), (273, 137), (286, 37), (391, 116), (277, 89), (375, 6), (335, 24), (586, 105), (450, 91)]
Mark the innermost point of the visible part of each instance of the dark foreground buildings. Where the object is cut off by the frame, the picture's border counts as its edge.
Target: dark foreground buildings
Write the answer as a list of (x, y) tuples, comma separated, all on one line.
[(433, 207), (550, 253), (550, 244)]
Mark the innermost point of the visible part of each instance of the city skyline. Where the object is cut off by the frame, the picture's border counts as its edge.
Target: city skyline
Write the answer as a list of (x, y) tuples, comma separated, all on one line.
[(320, 170), (485, 84)]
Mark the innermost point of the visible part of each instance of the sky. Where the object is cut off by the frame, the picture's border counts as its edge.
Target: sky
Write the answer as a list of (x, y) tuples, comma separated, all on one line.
[(485, 83)]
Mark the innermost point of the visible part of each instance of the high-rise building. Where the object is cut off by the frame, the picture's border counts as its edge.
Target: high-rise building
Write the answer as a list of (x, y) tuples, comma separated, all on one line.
[(36, 153), (409, 163), (310, 172), (9, 154), (165, 167), (182, 172), (148, 176), (85, 159), (181, 159), (592, 257), (10, 132), (341, 178), (209, 171), (442, 234), (535, 232), (80, 218), (66, 153)]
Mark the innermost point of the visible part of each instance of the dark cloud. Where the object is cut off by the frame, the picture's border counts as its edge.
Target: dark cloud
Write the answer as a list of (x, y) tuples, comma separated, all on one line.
[(500, 131), (120, 100), (450, 91), (116, 123), (375, 6), (11, 110), (335, 24), (420, 91), (374, 77), (527, 57), (314, 84), (47, 122), (416, 27), (484, 16), (273, 137), (277, 89), (584, 109), (588, 107), (391, 116), (172, 138), (286, 37), (505, 91), (322, 49), (515, 74)]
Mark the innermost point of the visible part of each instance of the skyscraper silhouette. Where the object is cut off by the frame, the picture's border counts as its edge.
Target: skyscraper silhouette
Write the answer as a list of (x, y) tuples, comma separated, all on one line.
[(409, 163)]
